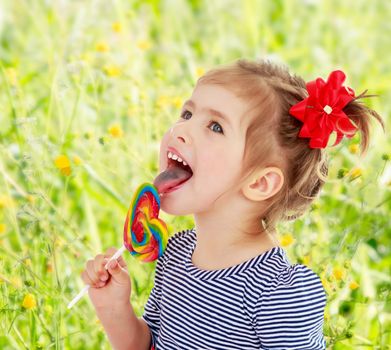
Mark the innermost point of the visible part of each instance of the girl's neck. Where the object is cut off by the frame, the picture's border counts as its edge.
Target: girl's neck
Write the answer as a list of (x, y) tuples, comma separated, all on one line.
[(225, 243)]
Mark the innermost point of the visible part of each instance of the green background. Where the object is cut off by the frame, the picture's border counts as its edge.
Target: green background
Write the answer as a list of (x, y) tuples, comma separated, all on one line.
[(76, 74)]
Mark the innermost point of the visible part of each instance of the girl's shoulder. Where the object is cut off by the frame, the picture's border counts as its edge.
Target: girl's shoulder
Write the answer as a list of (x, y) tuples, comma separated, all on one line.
[(276, 275), (280, 287), (294, 280), (181, 237), (295, 274), (178, 241), (293, 299)]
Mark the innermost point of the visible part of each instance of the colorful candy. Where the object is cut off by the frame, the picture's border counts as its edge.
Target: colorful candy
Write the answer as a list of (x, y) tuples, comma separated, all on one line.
[(145, 235)]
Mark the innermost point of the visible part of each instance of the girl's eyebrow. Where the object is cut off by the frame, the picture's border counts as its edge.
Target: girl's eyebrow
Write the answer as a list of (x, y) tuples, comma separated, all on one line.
[(211, 111)]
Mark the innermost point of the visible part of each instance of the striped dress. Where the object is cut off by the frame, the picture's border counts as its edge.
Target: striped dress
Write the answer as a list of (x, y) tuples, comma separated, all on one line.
[(262, 303)]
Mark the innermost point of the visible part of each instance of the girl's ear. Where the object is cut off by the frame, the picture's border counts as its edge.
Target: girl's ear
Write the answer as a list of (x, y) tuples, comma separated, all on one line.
[(263, 184)]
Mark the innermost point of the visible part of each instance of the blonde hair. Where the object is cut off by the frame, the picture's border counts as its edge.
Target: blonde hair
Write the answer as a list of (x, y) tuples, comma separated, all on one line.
[(271, 136)]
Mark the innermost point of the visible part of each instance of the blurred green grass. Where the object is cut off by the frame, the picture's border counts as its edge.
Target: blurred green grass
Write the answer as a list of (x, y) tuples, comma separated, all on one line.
[(88, 88)]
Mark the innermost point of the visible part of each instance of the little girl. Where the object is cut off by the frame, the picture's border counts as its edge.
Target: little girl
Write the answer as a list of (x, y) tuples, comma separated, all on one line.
[(247, 152)]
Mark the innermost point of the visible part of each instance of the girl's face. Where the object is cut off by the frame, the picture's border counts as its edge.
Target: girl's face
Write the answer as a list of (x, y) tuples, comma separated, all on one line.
[(213, 147)]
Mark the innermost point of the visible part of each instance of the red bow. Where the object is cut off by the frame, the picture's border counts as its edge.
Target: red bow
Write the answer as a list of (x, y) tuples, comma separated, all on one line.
[(321, 112)]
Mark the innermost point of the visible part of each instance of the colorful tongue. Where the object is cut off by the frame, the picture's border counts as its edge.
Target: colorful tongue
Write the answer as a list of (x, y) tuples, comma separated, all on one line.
[(171, 177)]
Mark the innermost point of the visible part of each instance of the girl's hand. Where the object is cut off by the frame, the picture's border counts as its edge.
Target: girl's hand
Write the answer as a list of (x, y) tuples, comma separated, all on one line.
[(108, 288)]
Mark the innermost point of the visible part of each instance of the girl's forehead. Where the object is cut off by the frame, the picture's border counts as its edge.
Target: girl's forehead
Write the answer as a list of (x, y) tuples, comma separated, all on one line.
[(221, 102)]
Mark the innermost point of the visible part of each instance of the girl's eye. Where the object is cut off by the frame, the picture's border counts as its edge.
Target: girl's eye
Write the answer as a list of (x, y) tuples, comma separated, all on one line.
[(218, 130), (219, 127), (184, 112)]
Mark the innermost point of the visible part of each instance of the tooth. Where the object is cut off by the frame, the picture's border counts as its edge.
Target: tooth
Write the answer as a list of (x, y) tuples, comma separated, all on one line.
[(169, 155), (184, 163), (179, 159), (174, 156)]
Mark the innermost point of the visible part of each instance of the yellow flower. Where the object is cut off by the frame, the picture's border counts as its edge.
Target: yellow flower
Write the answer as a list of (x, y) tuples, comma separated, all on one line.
[(353, 148), (116, 131), (27, 262), (3, 201), (177, 102), (62, 163), (86, 57), (59, 241), (6, 201), (49, 267), (112, 70), (30, 198), (324, 282), (326, 316), (77, 160), (29, 301), (353, 285), (162, 101), (16, 282), (338, 273), (306, 260), (355, 173), (2, 228), (102, 47), (117, 27), (66, 171), (12, 75), (287, 239), (143, 44), (199, 71)]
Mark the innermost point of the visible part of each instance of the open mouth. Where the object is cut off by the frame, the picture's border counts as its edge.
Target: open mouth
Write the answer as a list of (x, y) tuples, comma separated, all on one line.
[(173, 177), (186, 176), (174, 163)]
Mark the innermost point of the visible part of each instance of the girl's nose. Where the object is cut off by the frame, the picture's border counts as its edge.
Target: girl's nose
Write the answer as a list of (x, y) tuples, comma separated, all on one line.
[(181, 134)]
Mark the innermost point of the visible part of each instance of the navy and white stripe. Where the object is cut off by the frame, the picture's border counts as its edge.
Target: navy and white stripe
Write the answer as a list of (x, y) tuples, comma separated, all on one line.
[(262, 303)]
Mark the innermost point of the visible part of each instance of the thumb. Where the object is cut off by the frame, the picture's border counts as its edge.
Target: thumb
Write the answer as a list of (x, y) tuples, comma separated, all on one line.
[(119, 274)]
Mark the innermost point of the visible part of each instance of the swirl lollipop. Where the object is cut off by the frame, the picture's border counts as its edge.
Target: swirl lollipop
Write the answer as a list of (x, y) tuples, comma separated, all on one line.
[(145, 235)]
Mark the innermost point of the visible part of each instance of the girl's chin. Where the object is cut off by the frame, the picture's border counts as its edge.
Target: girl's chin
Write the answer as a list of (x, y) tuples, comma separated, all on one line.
[(176, 210), (171, 203)]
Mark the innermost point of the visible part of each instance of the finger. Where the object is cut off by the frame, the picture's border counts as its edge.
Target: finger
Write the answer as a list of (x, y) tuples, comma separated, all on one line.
[(91, 272), (119, 274), (99, 264), (111, 251), (85, 277), (87, 280)]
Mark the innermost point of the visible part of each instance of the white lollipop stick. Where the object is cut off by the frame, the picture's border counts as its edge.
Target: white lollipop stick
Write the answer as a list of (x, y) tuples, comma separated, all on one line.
[(116, 255)]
